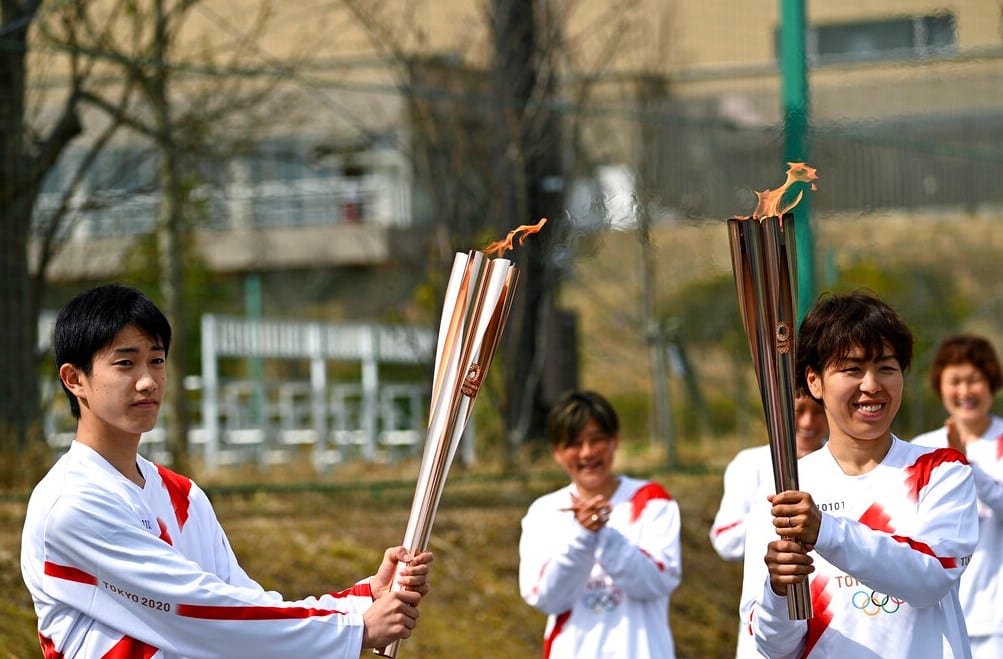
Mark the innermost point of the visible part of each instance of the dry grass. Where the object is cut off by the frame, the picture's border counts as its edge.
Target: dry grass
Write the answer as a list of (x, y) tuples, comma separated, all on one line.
[(305, 539)]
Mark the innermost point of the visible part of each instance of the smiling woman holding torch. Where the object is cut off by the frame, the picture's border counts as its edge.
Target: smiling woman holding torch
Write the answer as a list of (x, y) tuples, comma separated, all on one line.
[(882, 530)]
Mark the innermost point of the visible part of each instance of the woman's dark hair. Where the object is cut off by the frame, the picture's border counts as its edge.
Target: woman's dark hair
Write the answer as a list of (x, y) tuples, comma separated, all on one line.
[(90, 321), (573, 410), (840, 323), (966, 349)]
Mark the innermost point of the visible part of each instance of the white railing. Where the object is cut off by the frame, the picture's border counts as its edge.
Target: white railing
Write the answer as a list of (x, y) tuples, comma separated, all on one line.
[(270, 421)]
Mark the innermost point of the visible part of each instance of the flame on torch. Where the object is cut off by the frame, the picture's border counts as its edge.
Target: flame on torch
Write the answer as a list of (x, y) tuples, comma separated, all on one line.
[(499, 247), (769, 200)]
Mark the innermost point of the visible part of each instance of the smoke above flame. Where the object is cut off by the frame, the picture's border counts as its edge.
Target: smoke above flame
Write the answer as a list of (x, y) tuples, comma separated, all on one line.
[(499, 247), (770, 200)]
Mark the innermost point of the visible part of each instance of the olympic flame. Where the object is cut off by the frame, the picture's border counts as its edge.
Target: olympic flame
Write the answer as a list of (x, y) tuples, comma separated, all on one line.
[(770, 200), (764, 260), (499, 247), (477, 303)]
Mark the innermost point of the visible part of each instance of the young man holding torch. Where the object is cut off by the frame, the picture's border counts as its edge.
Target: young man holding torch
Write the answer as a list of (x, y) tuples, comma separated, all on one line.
[(124, 558), (882, 529), (600, 556)]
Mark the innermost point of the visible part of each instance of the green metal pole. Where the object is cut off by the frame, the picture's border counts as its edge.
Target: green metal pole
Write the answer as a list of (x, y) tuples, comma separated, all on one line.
[(255, 367), (794, 71)]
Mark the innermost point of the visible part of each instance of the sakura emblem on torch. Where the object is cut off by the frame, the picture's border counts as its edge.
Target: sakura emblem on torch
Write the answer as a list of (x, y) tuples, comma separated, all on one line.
[(472, 382), (785, 338)]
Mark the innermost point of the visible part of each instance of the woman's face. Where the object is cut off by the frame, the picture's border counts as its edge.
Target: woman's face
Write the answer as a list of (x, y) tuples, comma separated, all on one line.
[(861, 396), (966, 393), (588, 458)]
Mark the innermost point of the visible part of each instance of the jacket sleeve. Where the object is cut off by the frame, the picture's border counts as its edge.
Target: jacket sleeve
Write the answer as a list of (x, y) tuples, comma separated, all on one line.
[(131, 581), (920, 568), (556, 556), (777, 636), (989, 490), (727, 533), (653, 567)]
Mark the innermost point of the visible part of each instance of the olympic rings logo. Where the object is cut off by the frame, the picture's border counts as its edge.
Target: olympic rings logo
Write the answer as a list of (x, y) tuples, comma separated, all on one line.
[(605, 600), (876, 602)]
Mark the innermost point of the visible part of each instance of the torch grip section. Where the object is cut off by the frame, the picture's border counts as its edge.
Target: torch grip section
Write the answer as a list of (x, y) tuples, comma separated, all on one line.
[(764, 260)]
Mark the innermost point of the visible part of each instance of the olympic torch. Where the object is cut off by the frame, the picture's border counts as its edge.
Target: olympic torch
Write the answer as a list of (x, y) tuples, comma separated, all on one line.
[(477, 304), (764, 261)]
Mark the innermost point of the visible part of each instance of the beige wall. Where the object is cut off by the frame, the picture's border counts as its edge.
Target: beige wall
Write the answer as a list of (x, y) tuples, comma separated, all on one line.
[(626, 35), (707, 47)]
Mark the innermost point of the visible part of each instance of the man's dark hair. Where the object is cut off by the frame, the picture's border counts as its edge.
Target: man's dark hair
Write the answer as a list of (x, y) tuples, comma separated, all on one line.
[(840, 323), (573, 410), (90, 321), (966, 349)]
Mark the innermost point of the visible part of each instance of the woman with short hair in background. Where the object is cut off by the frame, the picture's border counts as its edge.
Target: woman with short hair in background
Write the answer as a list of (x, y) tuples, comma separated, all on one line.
[(966, 375)]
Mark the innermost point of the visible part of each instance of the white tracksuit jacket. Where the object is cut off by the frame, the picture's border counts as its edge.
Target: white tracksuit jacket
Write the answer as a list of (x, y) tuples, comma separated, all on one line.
[(891, 548), (120, 571), (606, 593)]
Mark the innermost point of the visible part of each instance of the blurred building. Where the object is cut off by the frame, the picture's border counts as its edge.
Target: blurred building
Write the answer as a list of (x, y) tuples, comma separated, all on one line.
[(906, 107), (377, 143)]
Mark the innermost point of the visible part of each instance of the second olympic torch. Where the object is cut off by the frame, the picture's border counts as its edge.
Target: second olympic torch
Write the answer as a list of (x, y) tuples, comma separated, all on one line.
[(764, 260)]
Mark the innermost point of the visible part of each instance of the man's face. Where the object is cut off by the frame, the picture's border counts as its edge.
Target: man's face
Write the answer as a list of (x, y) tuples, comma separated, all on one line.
[(861, 397), (123, 391)]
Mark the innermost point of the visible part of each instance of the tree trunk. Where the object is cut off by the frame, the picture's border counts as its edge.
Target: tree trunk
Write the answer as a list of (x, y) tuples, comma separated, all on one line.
[(20, 410), (530, 187)]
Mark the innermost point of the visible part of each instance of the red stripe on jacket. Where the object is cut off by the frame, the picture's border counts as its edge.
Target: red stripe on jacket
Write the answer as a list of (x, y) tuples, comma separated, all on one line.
[(178, 488), (206, 612), (558, 626), (821, 615), (918, 473), (49, 648), (649, 492), (130, 648), (69, 573), (721, 529)]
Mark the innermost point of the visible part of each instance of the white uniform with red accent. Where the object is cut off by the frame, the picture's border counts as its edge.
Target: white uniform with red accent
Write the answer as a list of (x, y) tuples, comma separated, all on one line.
[(982, 584), (891, 548), (606, 593), (743, 477), (748, 472), (119, 571)]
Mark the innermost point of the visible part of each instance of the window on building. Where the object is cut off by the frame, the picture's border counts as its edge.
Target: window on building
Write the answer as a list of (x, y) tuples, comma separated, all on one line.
[(883, 39)]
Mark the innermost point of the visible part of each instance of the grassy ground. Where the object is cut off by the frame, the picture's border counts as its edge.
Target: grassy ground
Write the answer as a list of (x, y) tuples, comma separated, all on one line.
[(309, 539)]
